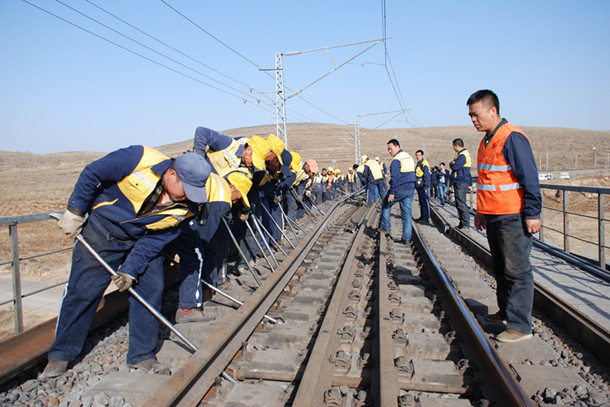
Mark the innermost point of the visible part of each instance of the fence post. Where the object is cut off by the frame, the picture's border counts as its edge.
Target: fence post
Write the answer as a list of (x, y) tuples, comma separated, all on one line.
[(566, 223), (601, 230), (18, 309), (541, 233)]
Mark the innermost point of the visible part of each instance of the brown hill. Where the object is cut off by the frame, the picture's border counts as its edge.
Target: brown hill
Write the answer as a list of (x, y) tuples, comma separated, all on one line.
[(32, 183)]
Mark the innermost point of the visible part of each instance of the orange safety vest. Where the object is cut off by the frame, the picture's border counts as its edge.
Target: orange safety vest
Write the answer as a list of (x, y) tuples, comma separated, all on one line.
[(498, 190)]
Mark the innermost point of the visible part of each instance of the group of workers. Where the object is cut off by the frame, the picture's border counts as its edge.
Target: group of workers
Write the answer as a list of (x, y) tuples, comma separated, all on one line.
[(137, 207)]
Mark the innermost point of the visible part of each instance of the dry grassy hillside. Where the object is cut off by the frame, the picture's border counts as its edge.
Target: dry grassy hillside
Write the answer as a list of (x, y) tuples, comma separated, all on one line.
[(31, 183)]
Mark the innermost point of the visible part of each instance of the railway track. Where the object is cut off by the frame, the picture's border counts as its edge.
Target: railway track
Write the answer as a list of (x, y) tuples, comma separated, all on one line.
[(367, 321)]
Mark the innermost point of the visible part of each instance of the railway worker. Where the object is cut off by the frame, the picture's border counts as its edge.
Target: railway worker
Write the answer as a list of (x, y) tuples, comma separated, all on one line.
[(508, 206), (443, 182), (278, 184), (461, 181), (318, 186), (227, 154), (203, 245), (422, 172), (351, 181), (402, 190), (358, 169), (128, 205), (294, 197), (374, 178), (384, 168)]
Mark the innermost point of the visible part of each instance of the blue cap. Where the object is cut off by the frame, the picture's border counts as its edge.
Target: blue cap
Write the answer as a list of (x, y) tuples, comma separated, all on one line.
[(193, 171)]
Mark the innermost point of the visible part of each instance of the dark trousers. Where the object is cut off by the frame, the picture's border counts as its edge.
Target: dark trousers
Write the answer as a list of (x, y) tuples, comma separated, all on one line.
[(86, 285), (461, 190), (424, 203), (510, 246)]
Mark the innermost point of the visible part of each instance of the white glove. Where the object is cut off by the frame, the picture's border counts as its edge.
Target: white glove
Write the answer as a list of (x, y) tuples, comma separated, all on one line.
[(307, 193), (71, 224), (122, 280), (243, 216)]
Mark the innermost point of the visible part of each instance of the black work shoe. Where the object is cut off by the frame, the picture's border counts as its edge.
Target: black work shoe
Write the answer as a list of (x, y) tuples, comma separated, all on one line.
[(55, 368), (403, 241), (496, 318), (150, 366), (194, 315)]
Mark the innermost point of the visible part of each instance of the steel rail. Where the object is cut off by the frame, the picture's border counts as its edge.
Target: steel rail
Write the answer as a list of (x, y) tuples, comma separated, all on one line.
[(588, 332), (188, 385), (499, 385), (316, 377), (384, 385)]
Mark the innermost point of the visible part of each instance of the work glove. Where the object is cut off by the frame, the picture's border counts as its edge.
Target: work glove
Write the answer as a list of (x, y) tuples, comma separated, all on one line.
[(277, 199), (299, 198), (244, 213), (122, 280), (71, 224), (307, 193)]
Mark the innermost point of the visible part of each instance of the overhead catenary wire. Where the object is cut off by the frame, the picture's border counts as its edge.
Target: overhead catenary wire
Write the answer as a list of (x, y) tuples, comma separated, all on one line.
[(168, 46), (245, 58), (246, 98), (130, 50), (150, 48)]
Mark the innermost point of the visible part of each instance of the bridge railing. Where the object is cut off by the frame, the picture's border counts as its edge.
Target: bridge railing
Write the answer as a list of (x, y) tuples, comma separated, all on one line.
[(562, 207), (12, 223), (598, 194)]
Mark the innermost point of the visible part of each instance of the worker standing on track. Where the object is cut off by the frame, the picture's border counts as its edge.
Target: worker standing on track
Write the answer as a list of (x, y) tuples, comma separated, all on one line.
[(351, 181), (508, 206), (402, 190), (422, 172), (374, 180), (461, 179), (443, 183), (128, 205)]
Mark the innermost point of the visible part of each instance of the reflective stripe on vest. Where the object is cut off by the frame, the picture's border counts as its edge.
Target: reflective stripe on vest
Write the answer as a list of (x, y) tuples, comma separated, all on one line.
[(138, 185), (217, 189), (466, 154), (499, 192), (407, 164), (375, 169), (225, 161)]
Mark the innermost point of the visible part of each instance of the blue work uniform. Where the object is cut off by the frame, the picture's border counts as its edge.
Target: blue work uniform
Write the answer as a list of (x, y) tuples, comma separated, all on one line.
[(119, 193)]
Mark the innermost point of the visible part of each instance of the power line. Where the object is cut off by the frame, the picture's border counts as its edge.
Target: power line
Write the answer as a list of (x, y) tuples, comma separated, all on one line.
[(130, 51), (149, 48), (245, 58), (168, 46), (208, 33)]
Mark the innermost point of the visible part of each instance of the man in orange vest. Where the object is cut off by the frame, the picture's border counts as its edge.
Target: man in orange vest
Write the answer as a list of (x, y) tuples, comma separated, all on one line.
[(508, 206)]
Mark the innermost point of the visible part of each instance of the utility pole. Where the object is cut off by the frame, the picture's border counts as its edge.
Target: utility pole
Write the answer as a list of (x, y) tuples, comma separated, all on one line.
[(280, 99), (280, 94), (357, 143), (357, 131)]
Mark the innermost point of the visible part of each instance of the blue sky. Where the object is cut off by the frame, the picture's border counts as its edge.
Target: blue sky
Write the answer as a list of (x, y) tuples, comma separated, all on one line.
[(64, 89)]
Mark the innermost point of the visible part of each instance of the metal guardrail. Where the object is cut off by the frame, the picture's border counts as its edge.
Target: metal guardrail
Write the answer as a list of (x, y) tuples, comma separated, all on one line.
[(12, 222), (566, 214)]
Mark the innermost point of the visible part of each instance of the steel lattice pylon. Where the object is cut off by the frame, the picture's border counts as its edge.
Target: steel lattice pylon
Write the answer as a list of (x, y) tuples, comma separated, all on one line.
[(280, 99)]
